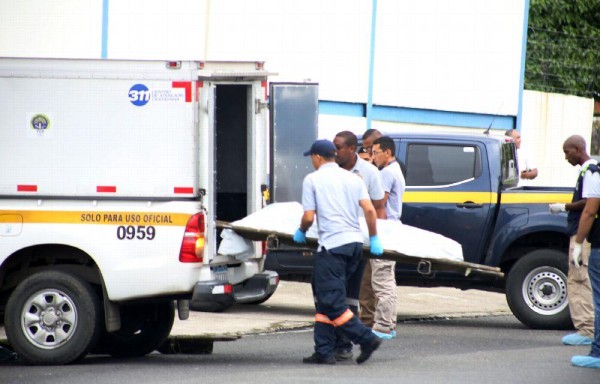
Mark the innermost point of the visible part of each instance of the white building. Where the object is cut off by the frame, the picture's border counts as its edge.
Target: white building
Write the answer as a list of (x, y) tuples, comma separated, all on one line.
[(386, 64)]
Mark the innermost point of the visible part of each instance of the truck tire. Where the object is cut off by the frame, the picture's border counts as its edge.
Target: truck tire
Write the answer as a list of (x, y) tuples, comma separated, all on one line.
[(144, 328), (536, 290), (53, 317)]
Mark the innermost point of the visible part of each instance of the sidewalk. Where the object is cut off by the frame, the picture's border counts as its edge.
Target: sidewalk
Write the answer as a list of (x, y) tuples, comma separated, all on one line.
[(291, 307)]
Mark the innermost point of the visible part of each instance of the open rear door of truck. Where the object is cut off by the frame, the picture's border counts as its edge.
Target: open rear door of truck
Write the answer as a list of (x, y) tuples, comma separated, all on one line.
[(294, 119)]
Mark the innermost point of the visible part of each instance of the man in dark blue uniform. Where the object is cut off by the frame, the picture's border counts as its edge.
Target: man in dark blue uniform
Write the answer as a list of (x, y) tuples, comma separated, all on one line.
[(335, 196)]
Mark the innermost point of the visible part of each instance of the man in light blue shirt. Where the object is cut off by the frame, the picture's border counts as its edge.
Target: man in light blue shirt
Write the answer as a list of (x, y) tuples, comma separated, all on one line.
[(334, 196), (384, 271), (345, 144)]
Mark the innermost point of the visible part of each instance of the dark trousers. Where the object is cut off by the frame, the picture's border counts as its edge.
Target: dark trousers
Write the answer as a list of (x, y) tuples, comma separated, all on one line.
[(334, 270), (594, 272), (342, 343)]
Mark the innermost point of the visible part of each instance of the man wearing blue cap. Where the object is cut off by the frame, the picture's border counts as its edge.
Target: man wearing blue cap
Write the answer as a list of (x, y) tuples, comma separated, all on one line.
[(335, 196)]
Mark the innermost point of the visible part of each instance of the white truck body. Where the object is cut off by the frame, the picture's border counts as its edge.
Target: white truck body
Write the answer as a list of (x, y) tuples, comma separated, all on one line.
[(105, 162)]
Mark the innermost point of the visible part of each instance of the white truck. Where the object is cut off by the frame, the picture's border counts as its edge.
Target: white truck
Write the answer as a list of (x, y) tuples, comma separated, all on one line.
[(114, 174)]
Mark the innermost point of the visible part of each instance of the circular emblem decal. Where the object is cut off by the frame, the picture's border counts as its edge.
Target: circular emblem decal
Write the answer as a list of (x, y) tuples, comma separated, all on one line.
[(40, 123), (139, 95)]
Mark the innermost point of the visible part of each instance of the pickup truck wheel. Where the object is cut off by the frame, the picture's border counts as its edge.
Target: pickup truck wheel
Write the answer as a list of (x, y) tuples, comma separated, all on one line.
[(144, 328), (53, 317), (536, 290)]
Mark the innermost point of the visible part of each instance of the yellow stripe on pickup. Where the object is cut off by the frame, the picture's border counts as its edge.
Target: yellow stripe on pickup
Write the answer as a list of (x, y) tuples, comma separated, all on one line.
[(443, 197), (95, 217), (448, 197), (535, 198)]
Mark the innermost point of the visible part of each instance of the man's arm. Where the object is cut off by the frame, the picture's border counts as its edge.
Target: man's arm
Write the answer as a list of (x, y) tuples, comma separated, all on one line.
[(370, 216), (576, 206), (380, 207), (529, 174), (307, 220), (587, 218)]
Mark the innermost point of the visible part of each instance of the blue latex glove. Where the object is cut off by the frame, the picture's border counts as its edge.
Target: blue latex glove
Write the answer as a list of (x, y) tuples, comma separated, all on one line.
[(376, 247), (299, 236)]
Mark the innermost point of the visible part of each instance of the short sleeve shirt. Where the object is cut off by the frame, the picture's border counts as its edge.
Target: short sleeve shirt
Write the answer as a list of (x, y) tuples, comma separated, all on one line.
[(334, 194), (371, 177), (526, 162), (591, 185), (394, 184)]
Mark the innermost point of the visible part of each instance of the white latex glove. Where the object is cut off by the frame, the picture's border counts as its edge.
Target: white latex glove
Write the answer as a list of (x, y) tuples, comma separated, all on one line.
[(576, 255), (557, 208)]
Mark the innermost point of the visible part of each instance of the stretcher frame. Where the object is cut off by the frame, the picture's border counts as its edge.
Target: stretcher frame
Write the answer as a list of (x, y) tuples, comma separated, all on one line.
[(426, 266)]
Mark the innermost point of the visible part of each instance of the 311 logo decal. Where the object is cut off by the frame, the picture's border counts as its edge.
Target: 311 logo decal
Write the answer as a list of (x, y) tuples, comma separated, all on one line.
[(139, 95)]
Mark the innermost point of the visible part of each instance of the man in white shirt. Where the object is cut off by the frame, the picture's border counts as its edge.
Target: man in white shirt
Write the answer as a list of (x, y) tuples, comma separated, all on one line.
[(335, 196), (383, 272), (589, 227), (527, 168), (578, 282), (345, 144)]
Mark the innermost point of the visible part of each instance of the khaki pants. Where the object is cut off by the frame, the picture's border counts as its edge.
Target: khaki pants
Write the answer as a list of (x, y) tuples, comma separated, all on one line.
[(378, 295), (580, 293)]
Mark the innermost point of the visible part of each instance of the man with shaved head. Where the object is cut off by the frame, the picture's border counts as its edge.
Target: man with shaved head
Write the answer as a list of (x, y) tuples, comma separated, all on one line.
[(578, 282)]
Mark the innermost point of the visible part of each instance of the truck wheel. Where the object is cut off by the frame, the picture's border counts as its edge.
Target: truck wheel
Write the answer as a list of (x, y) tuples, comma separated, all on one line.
[(53, 317), (536, 290), (144, 328)]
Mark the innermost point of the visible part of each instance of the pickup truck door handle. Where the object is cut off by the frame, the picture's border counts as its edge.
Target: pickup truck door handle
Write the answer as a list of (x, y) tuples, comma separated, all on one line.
[(469, 205)]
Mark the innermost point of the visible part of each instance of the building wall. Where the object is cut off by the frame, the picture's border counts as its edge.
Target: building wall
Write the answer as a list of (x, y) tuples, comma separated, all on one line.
[(424, 64), (414, 56), (548, 120)]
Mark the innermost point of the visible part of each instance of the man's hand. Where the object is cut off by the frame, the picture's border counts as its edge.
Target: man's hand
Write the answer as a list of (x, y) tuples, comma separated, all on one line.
[(300, 236), (557, 208), (576, 255), (376, 247)]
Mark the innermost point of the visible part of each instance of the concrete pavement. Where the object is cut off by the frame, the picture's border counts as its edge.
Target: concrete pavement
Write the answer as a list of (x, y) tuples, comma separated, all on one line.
[(291, 307)]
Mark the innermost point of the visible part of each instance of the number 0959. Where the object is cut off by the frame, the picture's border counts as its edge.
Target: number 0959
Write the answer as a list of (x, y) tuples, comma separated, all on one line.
[(139, 232)]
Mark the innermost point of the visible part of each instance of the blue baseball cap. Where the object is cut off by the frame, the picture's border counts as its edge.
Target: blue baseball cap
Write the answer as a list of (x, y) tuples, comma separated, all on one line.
[(323, 148)]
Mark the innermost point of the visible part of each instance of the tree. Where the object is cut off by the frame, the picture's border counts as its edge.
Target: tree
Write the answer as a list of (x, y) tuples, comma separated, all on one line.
[(563, 47)]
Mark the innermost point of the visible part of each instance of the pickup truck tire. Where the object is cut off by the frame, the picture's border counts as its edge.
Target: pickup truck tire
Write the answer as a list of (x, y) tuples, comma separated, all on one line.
[(536, 290), (144, 328), (53, 317)]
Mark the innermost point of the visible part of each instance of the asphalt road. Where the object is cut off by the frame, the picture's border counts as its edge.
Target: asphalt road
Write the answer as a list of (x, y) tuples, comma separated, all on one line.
[(496, 349)]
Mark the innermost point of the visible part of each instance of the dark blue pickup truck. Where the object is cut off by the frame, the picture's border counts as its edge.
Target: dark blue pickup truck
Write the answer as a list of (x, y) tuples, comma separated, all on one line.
[(463, 186)]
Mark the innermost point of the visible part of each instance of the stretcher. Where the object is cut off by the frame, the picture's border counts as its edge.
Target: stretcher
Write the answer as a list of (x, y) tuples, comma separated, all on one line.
[(425, 265)]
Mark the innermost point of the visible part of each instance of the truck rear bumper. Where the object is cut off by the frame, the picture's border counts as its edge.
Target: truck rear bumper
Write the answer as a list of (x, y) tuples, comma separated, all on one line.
[(261, 286), (212, 296), (215, 295)]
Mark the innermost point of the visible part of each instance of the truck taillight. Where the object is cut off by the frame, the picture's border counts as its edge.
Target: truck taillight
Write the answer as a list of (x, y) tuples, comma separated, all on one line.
[(192, 246)]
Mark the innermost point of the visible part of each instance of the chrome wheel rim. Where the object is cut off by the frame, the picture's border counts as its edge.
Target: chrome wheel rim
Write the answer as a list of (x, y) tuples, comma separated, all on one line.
[(545, 290), (49, 319)]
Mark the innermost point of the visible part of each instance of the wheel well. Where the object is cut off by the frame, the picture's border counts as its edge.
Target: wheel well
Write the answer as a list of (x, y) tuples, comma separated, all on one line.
[(530, 242), (30, 260)]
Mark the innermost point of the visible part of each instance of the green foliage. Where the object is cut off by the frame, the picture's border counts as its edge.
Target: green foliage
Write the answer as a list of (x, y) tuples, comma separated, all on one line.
[(563, 47)]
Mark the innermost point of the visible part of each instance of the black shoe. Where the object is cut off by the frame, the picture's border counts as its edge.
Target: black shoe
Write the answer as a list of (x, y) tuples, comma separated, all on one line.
[(367, 350), (315, 358), (343, 354)]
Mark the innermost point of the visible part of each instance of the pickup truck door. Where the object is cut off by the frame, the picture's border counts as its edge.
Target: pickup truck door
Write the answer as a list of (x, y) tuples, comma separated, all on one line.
[(448, 191)]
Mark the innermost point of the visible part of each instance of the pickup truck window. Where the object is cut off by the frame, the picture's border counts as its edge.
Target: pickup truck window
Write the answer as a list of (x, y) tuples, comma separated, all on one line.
[(509, 165), (438, 164)]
